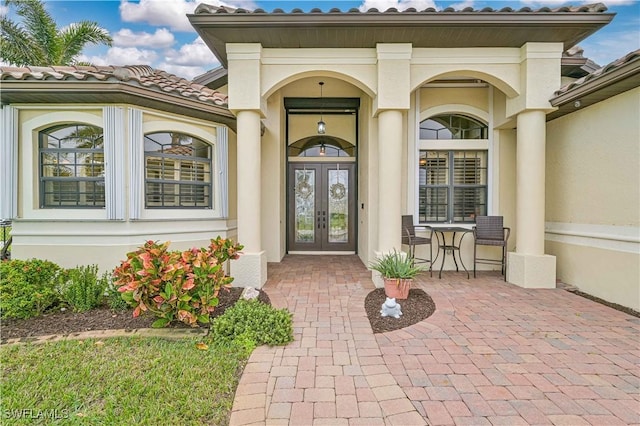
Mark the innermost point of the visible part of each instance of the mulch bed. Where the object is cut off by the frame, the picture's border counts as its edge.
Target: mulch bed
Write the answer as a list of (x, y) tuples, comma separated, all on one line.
[(609, 304), (102, 319), (415, 308)]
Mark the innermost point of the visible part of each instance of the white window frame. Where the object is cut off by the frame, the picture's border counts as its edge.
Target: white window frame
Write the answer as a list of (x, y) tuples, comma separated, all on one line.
[(453, 145), (29, 198), (152, 122)]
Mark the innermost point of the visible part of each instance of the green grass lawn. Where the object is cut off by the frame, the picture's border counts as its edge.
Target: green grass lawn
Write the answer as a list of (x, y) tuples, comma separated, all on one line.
[(120, 381)]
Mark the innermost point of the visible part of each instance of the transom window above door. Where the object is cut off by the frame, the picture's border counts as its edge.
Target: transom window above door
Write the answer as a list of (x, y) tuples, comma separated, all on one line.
[(322, 146)]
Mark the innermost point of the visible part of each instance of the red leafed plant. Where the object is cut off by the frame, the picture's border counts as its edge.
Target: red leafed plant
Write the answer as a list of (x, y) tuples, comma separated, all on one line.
[(175, 285)]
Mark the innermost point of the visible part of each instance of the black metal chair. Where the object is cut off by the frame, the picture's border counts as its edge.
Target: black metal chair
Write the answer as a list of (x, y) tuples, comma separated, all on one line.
[(489, 231), (410, 238)]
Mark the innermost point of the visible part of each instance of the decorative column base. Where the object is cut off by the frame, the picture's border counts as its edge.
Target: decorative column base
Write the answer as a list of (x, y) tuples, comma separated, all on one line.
[(250, 270), (376, 277), (531, 271)]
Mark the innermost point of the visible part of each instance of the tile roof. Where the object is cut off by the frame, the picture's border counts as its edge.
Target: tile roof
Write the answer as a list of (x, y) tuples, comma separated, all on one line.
[(186, 150), (426, 28), (601, 72), (587, 8), (136, 75)]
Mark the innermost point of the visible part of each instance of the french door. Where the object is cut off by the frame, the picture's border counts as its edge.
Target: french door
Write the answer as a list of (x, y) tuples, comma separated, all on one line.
[(321, 207)]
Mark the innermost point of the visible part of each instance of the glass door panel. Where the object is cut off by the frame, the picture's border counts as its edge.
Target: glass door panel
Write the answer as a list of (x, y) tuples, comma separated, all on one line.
[(304, 205), (338, 206)]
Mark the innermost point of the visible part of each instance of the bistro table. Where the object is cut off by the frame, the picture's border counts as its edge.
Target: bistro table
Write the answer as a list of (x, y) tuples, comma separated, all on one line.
[(445, 247)]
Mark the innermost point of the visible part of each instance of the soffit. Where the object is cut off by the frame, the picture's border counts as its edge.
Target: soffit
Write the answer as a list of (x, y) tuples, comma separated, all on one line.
[(428, 28)]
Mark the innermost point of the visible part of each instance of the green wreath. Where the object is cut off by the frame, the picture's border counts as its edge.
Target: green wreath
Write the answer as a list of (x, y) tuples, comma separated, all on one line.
[(338, 191)]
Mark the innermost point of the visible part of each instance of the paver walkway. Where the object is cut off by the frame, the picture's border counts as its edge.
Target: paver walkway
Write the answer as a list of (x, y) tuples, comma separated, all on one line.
[(491, 354)]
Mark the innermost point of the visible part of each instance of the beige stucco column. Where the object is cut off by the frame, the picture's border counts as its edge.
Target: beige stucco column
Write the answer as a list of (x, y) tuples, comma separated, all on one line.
[(529, 266), (249, 180), (539, 76), (250, 270), (389, 180), (393, 98)]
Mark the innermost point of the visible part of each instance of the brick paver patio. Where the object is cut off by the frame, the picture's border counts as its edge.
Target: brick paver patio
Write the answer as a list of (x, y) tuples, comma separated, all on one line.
[(492, 354)]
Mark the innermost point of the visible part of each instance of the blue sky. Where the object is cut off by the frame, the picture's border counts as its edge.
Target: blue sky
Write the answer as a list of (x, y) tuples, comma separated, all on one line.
[(156, 32)]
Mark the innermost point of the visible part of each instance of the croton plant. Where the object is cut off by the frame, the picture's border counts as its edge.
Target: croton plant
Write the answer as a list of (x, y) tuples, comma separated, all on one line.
[(175, 285)]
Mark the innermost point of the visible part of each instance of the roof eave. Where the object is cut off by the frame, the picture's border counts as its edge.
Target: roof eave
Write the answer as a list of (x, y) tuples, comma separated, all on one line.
[(213, 79), (601, 88), (23, 91), (621, 73), (587, 22)]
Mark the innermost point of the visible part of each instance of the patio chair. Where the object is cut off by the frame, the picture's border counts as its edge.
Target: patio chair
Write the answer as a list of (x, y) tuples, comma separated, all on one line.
[(489, 231), (5, 254), (410, 238)]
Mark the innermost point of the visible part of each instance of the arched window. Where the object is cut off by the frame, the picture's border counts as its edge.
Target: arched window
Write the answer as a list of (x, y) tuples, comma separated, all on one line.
[(452, 182), (452, 126), (71, 159), (322, 146), (177, 171)]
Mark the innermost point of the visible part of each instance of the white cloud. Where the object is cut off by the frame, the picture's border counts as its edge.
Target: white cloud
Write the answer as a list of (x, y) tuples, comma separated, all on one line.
[(122, 56), (170, 13), (187, 72), (556, 3), (462, 5), (607, 49), (192, 54), (160, 12), (401, 5), (3, 10), (160, 39)]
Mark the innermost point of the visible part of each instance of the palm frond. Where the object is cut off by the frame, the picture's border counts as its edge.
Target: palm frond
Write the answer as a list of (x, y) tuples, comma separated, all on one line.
[(73, 39), (36, 40), (38, 23), (16, 47)]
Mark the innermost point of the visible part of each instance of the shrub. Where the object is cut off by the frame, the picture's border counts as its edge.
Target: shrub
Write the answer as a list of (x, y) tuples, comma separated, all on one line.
[(254, 321), (28, 287), (83, 289), (175, 285), (115, 299)]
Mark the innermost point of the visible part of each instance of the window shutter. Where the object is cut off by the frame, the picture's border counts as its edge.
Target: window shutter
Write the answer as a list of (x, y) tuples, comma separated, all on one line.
[(222, 159), (136, 157), (9, 163), (114, 159)]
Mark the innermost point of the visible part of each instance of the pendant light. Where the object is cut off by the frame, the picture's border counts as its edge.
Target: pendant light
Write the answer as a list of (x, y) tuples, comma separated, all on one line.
[(322, 127)]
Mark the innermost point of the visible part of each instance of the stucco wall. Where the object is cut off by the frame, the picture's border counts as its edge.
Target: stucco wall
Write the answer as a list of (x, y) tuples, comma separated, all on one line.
[(593, 198), (476, 97), (505, 142), (272, 182), (106, 243)]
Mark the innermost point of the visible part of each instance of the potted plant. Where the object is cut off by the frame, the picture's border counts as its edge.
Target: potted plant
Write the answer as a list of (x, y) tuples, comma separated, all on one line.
[(398, 271)]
